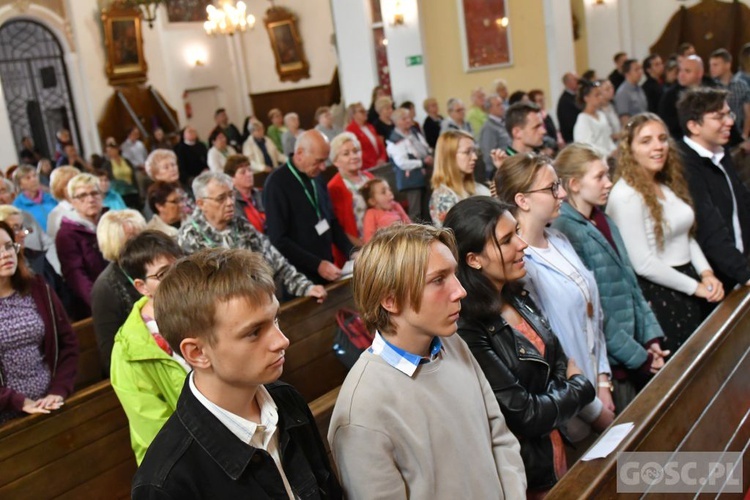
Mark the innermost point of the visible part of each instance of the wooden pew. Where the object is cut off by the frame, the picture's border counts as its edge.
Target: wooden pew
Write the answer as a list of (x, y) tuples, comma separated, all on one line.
[(83, 450), (89, 362), (700, 401)]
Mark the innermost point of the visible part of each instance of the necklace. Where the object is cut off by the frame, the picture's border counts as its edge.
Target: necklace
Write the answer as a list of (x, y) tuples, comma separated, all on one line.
[(580, 283)]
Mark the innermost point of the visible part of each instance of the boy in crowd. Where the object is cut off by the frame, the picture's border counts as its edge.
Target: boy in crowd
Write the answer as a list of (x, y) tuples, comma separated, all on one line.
[(416, 417), (231, 436), (146, 374)]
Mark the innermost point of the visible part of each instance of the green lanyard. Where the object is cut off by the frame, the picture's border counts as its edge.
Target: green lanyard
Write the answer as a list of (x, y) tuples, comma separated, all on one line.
[(313, 202)]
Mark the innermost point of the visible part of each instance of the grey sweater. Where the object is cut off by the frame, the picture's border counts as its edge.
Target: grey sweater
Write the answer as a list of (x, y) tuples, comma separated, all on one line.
[(437, 435)]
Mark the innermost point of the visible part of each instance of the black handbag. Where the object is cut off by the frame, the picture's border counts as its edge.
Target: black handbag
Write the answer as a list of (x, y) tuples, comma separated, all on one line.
[(351, 337)]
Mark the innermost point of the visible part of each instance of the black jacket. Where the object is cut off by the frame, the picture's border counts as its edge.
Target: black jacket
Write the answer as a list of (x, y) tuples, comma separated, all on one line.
[(291, 220), (567, 113), (668, 110), (192, 161), (533, 391), (712, 202), (653, 90), (196, 456)]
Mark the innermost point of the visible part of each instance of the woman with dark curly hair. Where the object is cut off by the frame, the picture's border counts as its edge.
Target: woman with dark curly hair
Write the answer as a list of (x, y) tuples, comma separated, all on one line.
[(651, 205)]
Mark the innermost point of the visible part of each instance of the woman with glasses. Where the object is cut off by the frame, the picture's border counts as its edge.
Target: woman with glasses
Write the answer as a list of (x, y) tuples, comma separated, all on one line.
[(453, 177), (537, 387), (38, 348), (591, 125), (113, 295), (651, 205), (161, 165), (373, 146), (81, 259), (558, 281), (34, 242), (632, 333), (167, 203)]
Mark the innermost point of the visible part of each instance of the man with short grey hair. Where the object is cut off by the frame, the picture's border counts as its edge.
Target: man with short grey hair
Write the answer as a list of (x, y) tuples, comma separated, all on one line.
[(690, 75), (493, 135), (214, 224)]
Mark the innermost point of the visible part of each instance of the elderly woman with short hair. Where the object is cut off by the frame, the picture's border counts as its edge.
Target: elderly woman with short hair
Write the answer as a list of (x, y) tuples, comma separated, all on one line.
[(343, 188), (34, 242), (167, 204), (261, 150), (384, 124), (31, 197), (293, 130), (373, 147), (81, 259), (113, 296), (248, 202), (58, 184), (411, 157), (161, 165)]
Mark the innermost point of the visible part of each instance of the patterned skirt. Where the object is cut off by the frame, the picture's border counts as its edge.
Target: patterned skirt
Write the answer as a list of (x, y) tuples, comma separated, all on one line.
[(678, 314)]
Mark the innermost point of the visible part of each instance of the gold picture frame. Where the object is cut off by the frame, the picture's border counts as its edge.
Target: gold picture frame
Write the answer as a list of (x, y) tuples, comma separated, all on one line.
[(123, 40), (291, 63)]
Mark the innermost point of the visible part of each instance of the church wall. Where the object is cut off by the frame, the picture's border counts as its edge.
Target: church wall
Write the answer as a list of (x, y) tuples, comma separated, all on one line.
[(444, 60)]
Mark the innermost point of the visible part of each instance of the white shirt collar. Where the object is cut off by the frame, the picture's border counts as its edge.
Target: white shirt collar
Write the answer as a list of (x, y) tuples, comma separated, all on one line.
[(704, 152)]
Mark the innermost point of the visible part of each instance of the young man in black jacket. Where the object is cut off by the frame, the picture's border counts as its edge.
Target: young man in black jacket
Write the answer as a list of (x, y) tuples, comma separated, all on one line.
[(236, 433), (720, 199)]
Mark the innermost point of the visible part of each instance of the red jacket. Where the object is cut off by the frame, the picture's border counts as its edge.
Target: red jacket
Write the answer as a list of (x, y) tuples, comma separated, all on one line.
[(371, 157), (60, 347), (343, 208)]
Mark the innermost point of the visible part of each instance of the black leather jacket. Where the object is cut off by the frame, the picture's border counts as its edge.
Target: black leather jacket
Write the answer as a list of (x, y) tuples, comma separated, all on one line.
[(534, 394)]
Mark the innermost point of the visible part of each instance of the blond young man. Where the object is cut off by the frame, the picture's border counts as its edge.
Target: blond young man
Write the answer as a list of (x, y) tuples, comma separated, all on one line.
[(416, 418), (231, 436)]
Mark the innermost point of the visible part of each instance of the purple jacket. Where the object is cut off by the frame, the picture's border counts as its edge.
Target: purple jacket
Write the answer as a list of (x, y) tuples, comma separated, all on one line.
[(60, 347), (80, 259)]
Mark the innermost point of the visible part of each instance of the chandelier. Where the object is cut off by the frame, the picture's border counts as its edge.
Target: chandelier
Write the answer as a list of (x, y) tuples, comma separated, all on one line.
[(147, 7), (228, 18)]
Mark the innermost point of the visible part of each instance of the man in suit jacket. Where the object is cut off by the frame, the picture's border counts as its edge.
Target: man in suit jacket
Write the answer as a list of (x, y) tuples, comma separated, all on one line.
[(567, 109)]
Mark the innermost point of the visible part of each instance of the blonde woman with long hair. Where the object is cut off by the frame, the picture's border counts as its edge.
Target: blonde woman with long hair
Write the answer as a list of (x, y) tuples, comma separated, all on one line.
[(453, 177), (651, 205)]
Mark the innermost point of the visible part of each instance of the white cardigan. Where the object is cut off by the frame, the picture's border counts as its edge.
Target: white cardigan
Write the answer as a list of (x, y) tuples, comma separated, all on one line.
[(253, 152), (628, 210)]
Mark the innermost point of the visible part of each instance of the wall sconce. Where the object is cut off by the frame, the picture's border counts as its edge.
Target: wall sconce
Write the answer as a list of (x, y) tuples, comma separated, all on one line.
[(599, 2), (196, 56), (502, 22), (398, 14)]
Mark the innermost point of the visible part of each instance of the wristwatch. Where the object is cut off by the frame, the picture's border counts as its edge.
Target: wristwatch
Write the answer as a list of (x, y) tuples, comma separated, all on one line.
[(608, 384)]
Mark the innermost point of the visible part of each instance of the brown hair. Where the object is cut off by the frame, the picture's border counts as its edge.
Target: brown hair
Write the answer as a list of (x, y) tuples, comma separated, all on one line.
[(233, 164), (58, 181), (366, 190), (393, 264), (185, 302), (671, 175), (516, 175), (21, 279), (446, 171)]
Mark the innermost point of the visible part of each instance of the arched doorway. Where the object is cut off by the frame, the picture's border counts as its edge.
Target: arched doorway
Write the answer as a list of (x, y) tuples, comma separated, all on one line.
[(35, 84)]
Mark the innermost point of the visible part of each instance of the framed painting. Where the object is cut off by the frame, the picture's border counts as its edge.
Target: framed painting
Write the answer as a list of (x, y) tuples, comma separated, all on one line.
[(291, 63), (187, 11), (485, 34), (123, 41)]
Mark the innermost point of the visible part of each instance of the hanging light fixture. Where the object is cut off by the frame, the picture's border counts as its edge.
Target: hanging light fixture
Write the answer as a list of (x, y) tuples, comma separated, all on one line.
[(228, 18), (148, 8)]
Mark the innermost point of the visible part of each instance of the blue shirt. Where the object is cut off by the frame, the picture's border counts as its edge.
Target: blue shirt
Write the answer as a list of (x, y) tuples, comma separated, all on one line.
[(400, 359)]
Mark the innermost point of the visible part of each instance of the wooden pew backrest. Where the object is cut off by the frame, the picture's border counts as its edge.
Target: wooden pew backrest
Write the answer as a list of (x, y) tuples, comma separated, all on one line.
[(89, 362)]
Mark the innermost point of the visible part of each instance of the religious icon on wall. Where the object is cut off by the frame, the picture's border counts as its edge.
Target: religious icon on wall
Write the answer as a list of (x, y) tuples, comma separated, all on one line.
[(187, 11), (485, 34), (124, 45), (291, 64)]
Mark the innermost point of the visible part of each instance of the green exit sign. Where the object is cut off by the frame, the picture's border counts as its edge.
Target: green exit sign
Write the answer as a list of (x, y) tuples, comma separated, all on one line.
[(413, 60)]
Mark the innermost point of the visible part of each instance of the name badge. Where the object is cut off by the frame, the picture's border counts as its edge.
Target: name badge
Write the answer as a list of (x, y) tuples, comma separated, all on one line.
[(322, 226)]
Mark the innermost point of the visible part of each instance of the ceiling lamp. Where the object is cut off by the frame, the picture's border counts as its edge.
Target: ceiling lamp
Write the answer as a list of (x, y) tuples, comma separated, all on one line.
[(228, 18)]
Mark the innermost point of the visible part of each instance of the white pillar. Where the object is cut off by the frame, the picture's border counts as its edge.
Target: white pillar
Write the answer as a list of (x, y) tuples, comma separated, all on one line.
[(560, 49), (239, 72), (9, 153), (79, 90), (355, 48)]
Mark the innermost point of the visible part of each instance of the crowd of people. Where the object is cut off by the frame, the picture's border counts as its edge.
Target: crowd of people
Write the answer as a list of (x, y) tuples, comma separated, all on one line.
[(572, 259)]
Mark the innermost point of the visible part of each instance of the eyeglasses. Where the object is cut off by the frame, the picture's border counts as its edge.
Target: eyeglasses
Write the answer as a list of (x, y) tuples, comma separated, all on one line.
[(90, 194), (177, 201), (724, 116), (18, 230), (554, 189), (10, 248), (222, 198), (159, 275)]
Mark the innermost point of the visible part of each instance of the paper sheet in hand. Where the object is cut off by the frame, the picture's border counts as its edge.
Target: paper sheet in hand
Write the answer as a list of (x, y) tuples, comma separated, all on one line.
[(609, 441), (348, 269)]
